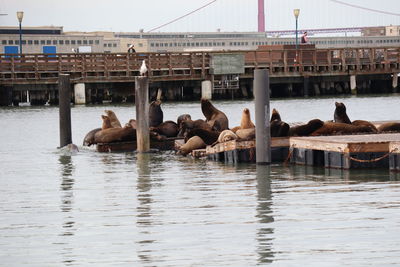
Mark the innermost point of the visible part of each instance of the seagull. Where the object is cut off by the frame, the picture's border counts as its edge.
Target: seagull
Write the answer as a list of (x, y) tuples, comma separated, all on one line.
[(143, 68)]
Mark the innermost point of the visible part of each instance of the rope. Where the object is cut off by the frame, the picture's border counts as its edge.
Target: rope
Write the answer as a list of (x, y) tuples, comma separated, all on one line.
[(372, 160), (289, 155)]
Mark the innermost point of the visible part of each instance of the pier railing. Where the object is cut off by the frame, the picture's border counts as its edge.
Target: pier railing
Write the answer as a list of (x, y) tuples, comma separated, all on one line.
[(120, 67)]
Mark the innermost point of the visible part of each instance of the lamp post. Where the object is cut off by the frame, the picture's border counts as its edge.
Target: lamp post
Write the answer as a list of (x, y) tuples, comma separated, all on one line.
[(20, 15), (296, 13)]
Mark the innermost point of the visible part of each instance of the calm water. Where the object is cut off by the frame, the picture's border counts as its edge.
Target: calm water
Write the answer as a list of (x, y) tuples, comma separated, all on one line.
[(128, 209)]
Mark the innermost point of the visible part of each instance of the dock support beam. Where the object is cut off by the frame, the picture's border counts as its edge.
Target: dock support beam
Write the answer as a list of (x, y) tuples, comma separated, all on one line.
[(64, 93), (206, 90), (142, 114), (395, 82), (353, 84), (262, 109), (79, 94), (306, 84)]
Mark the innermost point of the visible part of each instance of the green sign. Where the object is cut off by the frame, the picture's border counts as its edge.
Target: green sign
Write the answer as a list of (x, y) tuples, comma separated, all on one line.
[(227, 64)]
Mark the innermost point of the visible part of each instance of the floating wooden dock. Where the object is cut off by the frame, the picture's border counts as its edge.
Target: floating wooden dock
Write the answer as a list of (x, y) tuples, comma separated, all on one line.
[(343, 152), (167, 144)]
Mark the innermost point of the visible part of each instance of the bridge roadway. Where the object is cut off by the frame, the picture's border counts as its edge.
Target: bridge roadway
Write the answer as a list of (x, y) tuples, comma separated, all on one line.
[(283, 64)]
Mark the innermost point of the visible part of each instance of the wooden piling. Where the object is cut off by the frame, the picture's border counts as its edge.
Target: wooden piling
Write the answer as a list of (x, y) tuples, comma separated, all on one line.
[(262, 109), (64, 92), (142, 113)]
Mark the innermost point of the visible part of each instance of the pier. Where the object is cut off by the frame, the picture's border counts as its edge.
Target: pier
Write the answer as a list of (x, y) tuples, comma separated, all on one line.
[(105, 76)]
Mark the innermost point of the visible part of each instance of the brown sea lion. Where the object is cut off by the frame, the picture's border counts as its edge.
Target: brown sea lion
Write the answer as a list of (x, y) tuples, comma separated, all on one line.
[(113, 119), (246, 134), (365, 123), (89, 137), (214, 115), (340, 114), (167, 128), (209, 137), (275, 115), (306, 129), (246, 122), (338, 128), (106, 122), (193, 143), (156, 115), (183, 117), (389, 127), (279, 128), (227, 135), (133, 123), (110, 135), (188, 125)]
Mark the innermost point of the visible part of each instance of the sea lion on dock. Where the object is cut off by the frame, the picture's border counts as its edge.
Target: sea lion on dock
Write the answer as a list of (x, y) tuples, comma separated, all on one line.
[(113, 119), (132, 122), (110, 135), (275, 115), (193, 143), (245, 122), (182, 118), (365, 123), (106, 122), (89, 137), (340, 114), (226, 135), (246, 134), (279, 128), (188, 125), (306, 129), (156, 115), (339, 128), (214, 115), (167, 128), (209, 137), (389, 127)]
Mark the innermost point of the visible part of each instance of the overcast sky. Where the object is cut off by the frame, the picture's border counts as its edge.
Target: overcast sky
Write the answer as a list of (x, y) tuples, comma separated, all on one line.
[(227, 15)]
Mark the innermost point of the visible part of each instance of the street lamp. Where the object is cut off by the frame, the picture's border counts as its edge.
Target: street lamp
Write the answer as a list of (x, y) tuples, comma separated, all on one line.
[(296, 13), (20, 15)]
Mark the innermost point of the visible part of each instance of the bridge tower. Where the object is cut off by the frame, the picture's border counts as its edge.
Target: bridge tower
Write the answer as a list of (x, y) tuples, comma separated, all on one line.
[(261, 16)]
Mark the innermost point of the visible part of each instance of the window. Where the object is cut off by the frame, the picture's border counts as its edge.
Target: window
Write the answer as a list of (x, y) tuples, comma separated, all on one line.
[(105, 45), (54, 42), (73, 42), (30, 42), (3, 42), (114, 45), (151, 44), (16, 42), (48, 42), (36, 42), (140, 45), (42, 42), (84, 41), (97, 42), (67, 42), (61, 42), (10, 42), (109, 45), (79, 42), (24, 42), (90, 41)]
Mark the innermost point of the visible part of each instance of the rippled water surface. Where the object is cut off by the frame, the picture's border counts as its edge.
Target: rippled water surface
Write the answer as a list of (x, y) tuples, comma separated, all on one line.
[(161, 209)]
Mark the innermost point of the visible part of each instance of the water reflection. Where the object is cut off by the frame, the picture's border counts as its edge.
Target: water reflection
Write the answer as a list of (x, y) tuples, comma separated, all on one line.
[(264, 214), (144, 213), (67, 199)]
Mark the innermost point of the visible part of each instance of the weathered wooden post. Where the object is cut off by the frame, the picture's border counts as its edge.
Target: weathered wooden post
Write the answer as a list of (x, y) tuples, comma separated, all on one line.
[(353, 84), (64, 94), (262, 109), (395, 82), (142, 113)]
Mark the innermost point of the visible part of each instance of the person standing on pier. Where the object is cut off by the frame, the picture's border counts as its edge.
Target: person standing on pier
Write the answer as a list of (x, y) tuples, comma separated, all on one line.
[(304, 38)]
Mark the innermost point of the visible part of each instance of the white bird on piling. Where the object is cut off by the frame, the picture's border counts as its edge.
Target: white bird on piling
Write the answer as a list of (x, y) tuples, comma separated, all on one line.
[(143, 68)]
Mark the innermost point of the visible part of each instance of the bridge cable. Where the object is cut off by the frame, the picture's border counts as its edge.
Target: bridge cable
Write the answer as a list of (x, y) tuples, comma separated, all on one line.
[(366, 8), (181, 17)]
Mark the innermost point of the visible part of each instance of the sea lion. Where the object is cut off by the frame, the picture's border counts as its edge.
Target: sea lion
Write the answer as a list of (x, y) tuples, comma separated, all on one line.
[(183, 118), (188, 125), (226, 135), (214, 115), (246, 134), (279, 128), (306, 129), (156, 115), (133, 123), (113, 119), (275, 115), (245, 122), (193, 143), (365, 123), (110, 135), (106, 122), (340, 114), (167, 128), (89, 137), (389, 127), (209, 137), (339, 128)]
